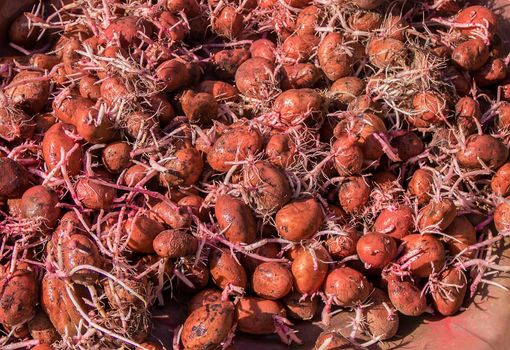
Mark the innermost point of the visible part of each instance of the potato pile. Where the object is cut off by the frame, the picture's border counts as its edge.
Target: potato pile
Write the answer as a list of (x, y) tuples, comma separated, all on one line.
[(259, 163)]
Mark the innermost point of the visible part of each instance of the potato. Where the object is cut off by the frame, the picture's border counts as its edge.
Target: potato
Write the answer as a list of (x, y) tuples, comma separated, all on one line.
[(376, 249), (297, 3), (345, 89), (128, 29), (503, 114), (348, 155), (66, 109), (31, 95), (468, 114), (300, 219), (235, 220), (160, 106), (385, 180), (500, 182), (94, 195), (309, 269), (70, 56), (463, 235), (363, 103), (354, 194), (225, 270), (21, 32), (308, 19), (408, 145), (234, 145), (502, 216), (268, 250), (430, 108), (332, 341), (396, 222), (298, 104), (365, 21), (208, 326), (255, 77), (40, 203), (421, 185), (281, 150), (198, 274), (299, 76), (93, 127), (15, 178), (482, 148), (406, 296), (227, 22), (113, 91), (300, 308), (347, 287), (199, 107), (379, 321), (471, 55), (385, 52), (255, 315), (175, 218), (15, 124), (449, 296), (220, 90), (172, 26), (139, 124), (368, 4), (203, 298), (142, 231), (90, 88), (263, 48), (475, 16), (173, 74), (334, 60), (344, 244), (395, 27), (134, 174), (271, 280), (119, 298), (437, 213), (56, 144), (174, 244), (150, 346), (227, 62), (43, 347), (493, 72), (430, 254), (116, 157), (190, 7), (299, 48), (184, 169), (19, 295)]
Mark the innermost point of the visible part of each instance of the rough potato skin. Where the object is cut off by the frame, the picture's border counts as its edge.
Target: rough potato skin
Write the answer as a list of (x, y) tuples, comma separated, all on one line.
[(185, 169), (491, 73), (365, 21), (66, 109), (208, 326), (142, 231), (40, 202), (379, 321), (354, 194), (500, 182), (431, 254), (15, 178), (307, 279), (235, 219), (437, 213), (253, 76), (199, 107), (396, 222), (502, 216), (406, 296), (174, 74), (449, 299), (54, 140), (431, 109), (483, 148), (471, 55), (334, 61), (346, 89), (348, 155), (384, 52), (127, 28), (376, 249), (41, 328), (116, 157), (226, 270), (174, 244), (271, 280), (94, 195), (255, 315), (281, 150), (269, 250), (227, 62), (16, 124), (300, 219), (347, 287), (299, 76)]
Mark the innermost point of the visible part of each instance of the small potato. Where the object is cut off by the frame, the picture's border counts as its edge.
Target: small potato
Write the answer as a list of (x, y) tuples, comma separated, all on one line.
[(94, 195), (173, 74), (176, 218), (57, 144), (500, 182), (376, 249), (198, 274), (271, 280), (281, 150), (332, 341), (309, 269), (449, 297), (491, 73), (66, 109), (21, 32), (70, 56), (408, 145), (437, 213), (463, 235), (365, 21), (208, 326), (116, 157), (368, 4), (299, 76), (430, 109), (93, 127), (236, 220), (342, 245), (41, 328), (482, 148), (128, 29), (471, 55), (199, 107), (255, 77), (203, 298), (139, 124), (385, 52), (113, 91), (428, 252), (227, 22), (347, 287), (297, 3), (268, 250), (348, 155), (354, 194), (503, 114), (89, 88), (134, 174), (43, 347), (220, 90), (225, 270), (363, 103), (15, 178), (308, 19), (255, 315), (227, 62), (300, 219), (364, 128), (40, 203), (142, 231), (334, 60), (396, 222), (184, 169), (382, 320), (421, 185), (384, 180), (28, 91), (298, 104), (468, 113), (395, 27), (300, 308), (473, 16), (160, 106), (406, 296), (190, 7), (15, 124), (345, 89), (264, 48), (174, 244), (172, 26), (234, 145), (150, 346), (502, 216), (299, 48)]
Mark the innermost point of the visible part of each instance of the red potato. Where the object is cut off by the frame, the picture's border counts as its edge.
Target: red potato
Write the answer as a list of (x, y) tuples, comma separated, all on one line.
[(227, 62), (94, 195), (184, 169), (234, 145), (271, 280), (299, 307), (134, 174), (376, 249), (300, 219), (128, 29), (198, 274), (255, 315), (40, 203), (176, 218), (159, 106), (29, 91), (281, 150), (235, 219), (502, 216), (297, 3), (228, 22), (113, 91), (408, 145), (333, 57), (348, 155), (116, 157), (468, 114), (297, 104), (476, 17), (93, 127), (332, 341), (299, 48), (396, 222), (141, 232), (225, 270), (263, 48), (471, 55), (368, 4), (66, 109), (503, 114), (354, 194), (172, 26), (43, 122), (347, 287), (309, 269), (421, 185), (299, 76), (343, 244), (90, 88), (463, 235), (199, 107), (41, 328), (43, 347), (19, 295), (430, 250), (70, 56), (150, 346), (491, 73), (365, 21), (15, 124), (363, 103), (220, 90), (345, 89), (255, 77), (139, 124), (385, 52), (14, 205), (21, 32), (15, 178), (500, 182), (173, 74), (482, 148), (406, 296), (395, 27), (208, 326), (190, 7), (268, 250), (438, 214), (203, 298), (308, 19), (174, 244), (430, 109), (449, 297), (381, 317), (384, 180)]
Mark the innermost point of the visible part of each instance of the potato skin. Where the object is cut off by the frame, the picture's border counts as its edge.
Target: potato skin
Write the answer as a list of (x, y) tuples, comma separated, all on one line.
[(39, 201), (395, 222), (116, 157), (199, 107), (174, 244), (477, 15), (384, 52), (348, 155), (295, 104), (432, 254), (227, 62), (220, 90), (347, 287), (464, 235), (378, 320), (252, 75), (208, 326), (307, 280), (421, 185), (491, 73), (300, 219), (184, 170), (450, 299), (174, 74), (263, 48), (335, 342), (300, 309), (406, 296), (16, 124), (471, 55), (204, 297), (502, 216), (142, 231), (500, 182), (15, 178), (489, 149), (342, 246), (299, 48), (271, 280), (41, 328), (299, 76), (376, 249), (408, 145), (281, 150), (354, 194), (32, 95), (228, 23), (235, 219), (94, 195), (440, 213), (345, 89), (255, 315), (226, 270), (334, 61), (54, 140)]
